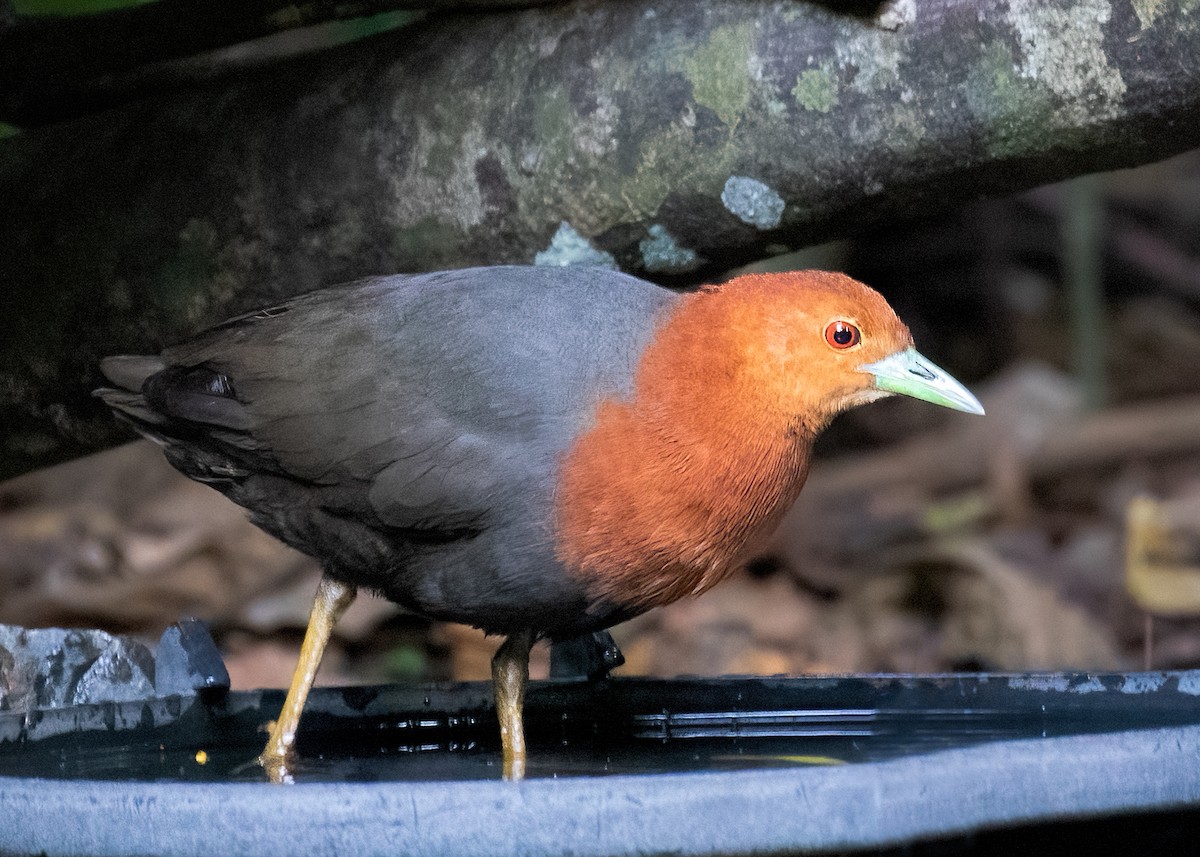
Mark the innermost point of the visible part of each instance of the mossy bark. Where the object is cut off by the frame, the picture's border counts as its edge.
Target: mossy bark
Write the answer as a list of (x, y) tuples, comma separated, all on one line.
[(674, 137)]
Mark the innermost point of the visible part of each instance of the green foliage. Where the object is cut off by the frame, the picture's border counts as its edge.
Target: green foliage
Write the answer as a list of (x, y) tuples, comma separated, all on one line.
[(7, 130), (71, 7)]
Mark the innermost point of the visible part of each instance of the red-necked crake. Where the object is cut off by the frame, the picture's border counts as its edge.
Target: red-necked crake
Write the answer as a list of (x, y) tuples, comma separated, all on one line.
[(539, 452)]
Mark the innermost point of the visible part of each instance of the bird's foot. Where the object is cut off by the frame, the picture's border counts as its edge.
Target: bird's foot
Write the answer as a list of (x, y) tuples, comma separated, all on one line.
[(514, 767), (278, 757), (278, 768)]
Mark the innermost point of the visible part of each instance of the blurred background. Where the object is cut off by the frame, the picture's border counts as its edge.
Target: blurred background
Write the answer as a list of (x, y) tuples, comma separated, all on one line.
[(1056, 532)]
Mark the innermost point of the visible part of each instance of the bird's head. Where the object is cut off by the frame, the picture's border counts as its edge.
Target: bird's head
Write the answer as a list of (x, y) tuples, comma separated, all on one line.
[(660, 497), (818, 343)]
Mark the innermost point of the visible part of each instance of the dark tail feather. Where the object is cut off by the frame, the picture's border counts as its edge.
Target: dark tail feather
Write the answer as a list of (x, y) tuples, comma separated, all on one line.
[(130, 371), (159, 393), (190, 412), (132, 408)]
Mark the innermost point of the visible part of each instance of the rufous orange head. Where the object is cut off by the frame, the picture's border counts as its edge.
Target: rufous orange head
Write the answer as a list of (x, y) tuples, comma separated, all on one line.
[(816, 343), (660, 496)]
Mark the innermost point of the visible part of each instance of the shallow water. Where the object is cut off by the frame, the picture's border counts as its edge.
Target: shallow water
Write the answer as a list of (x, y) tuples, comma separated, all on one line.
[(718, 741), (626, 727)]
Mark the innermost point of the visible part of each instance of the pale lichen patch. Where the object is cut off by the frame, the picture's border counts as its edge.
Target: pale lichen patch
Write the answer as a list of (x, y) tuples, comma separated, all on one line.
[(569, 248), (752, 202), (897, 14), (662, 254), (1063, 49), (1091, 684), (1147, 12), (1056, 682), (875, 56)]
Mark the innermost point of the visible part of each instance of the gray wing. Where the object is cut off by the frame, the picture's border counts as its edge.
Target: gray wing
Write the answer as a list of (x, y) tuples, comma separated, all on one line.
[(423, 405)]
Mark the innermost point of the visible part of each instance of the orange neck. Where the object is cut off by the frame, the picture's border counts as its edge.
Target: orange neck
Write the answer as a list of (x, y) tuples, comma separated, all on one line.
[(660, 497)]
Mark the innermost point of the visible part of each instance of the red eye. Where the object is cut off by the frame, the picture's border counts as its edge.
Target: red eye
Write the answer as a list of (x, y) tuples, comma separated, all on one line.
[(842, 335)]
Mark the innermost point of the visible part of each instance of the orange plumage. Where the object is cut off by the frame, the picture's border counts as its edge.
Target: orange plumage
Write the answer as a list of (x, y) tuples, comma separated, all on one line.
[(660, 497)]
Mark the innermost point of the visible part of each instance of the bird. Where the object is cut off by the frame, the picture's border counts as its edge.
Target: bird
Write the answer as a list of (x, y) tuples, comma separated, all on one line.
[(540, 452)]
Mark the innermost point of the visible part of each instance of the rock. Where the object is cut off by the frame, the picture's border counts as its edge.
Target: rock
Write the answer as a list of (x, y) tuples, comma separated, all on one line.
[(56, 667), (60, 667), (187, 661)]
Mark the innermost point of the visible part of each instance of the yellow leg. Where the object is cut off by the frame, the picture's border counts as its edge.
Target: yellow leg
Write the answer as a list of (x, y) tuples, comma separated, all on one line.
[(333, 597), (510, 673)]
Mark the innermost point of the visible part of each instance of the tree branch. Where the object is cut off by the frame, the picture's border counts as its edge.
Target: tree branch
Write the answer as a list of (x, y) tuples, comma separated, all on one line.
[(673, 137), (56, 67)]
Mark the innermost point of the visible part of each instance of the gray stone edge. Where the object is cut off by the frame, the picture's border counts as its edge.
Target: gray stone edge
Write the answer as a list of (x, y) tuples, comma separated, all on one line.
[(776, 811)]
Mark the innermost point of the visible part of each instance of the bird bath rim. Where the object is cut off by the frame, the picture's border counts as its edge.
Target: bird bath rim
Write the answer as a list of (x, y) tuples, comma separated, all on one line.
[(1145, 764)]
